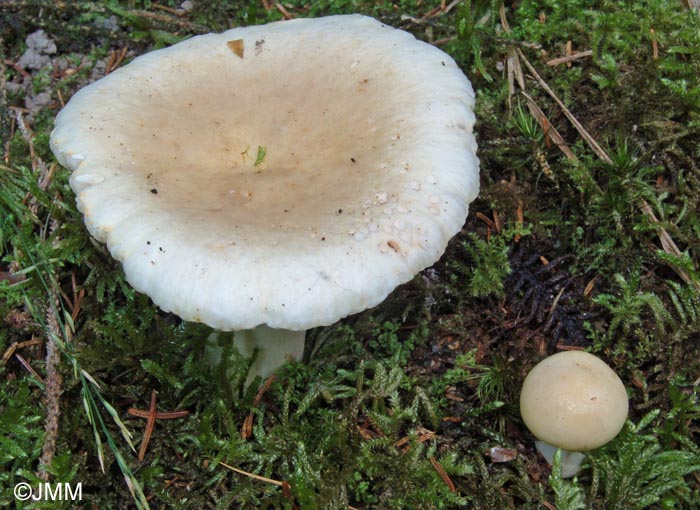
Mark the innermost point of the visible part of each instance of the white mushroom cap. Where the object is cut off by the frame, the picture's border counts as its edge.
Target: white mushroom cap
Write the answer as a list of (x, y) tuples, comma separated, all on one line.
[(574, 401), (287, 174)]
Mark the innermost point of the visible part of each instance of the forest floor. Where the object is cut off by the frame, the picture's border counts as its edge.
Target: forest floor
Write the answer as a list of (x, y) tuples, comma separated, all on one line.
[(585, 236)]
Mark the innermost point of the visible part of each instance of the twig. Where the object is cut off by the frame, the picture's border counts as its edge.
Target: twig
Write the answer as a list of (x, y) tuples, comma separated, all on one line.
[(18, 345), (513, 69), (47, 177), (579, 127), (553, 307), (5, 119), (266, 480), (424, 435), (431, 13), (284, 11), (74, 304), (451, 6), (52, 385), (37, 162), (654, 44), (515, 73), (444, 40), (443, 474), (251, 475), (151, 416), (150, 425), (158, 17), (172, 11), (17, 68), (544, 122), (667, 243), (442, 9), (486, 220), (247, 429), (115, 59), (564, 347), (497, 221), (570, 58), (161, 415), (29, 368), (504, 18), (589, 287)]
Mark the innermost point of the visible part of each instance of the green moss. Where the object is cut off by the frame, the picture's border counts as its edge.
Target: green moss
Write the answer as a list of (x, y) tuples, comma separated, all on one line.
[(429, 379)]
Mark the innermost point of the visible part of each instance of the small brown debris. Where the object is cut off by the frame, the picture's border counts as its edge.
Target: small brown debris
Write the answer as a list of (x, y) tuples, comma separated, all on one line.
[(17, 319), (151, 416), (638, 382), (486, 220), (150, 425), (286, 490), (449, 395), (570, 58), (247, 429), (29, 368), (422, 434), (115, 59), (562, 347), (369, 430), (497, 221), (500, 455), (285, 12), (443, 474), (18, 345), (237, 46), (253, 476), (162, 415), (589, 287)]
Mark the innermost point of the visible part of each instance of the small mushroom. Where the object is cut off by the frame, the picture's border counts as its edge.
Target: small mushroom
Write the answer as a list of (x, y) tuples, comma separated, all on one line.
[(575, 402), (259, 179)]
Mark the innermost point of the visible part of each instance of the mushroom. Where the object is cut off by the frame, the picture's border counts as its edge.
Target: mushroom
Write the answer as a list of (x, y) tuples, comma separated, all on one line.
[(275, 178), (572, 401)]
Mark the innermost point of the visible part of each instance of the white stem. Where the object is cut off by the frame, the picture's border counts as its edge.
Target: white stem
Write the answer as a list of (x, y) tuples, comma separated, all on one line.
[(570, 461), (275, 346)]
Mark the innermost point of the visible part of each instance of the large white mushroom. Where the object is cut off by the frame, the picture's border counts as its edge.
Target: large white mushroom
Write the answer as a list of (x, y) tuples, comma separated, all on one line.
[(275, 178), (575, 402)]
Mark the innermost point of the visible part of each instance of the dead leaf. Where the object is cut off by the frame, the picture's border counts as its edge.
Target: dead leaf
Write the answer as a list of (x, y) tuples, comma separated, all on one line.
[(237, 47)]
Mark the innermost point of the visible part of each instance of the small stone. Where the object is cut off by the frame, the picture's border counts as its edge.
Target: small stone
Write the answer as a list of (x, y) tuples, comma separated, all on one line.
[(37, 102), (39, 45)]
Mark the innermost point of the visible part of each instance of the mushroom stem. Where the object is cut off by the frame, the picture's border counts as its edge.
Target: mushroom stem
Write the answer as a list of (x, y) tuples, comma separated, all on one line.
[(275, 346), (570, 461)]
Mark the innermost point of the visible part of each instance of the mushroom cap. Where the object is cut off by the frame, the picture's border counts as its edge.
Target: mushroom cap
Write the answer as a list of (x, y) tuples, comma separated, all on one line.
[(574, 401), (287, 174)]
